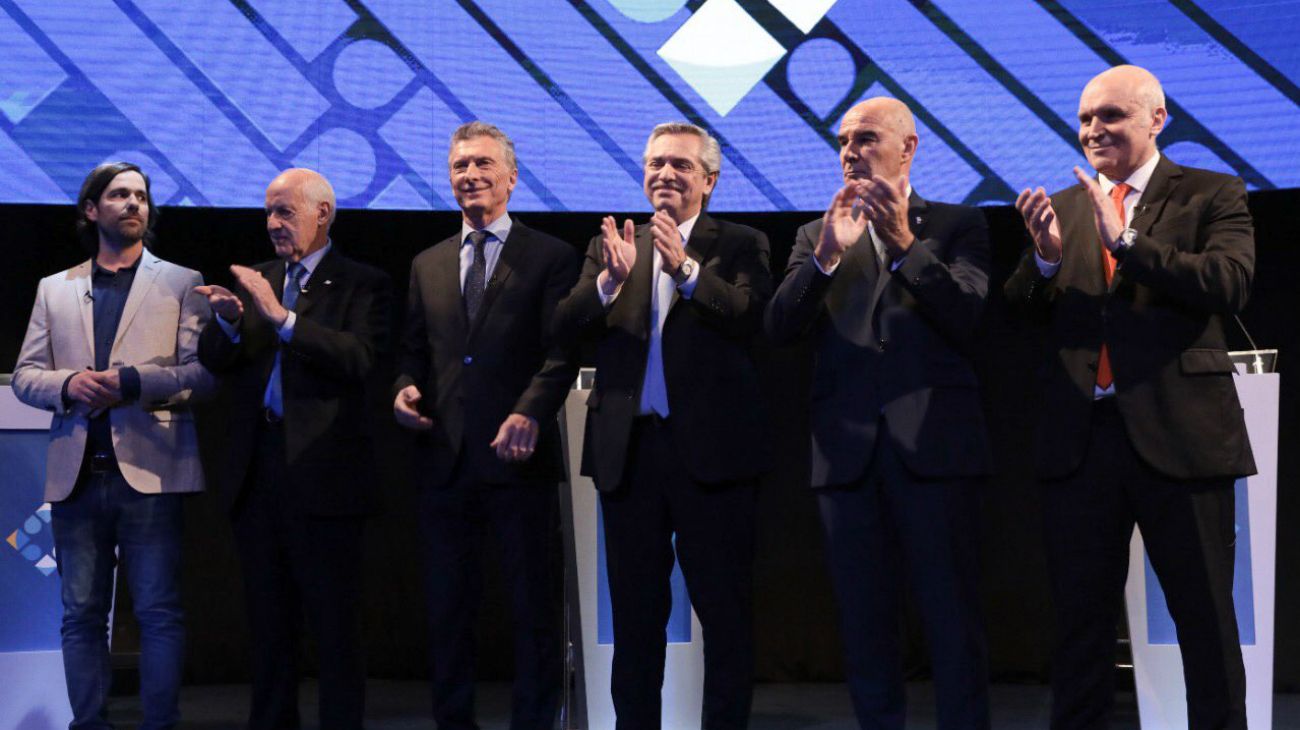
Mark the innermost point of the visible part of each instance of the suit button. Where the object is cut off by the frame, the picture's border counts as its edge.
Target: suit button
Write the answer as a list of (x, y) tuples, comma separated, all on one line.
[(469, 359), (883, 342)]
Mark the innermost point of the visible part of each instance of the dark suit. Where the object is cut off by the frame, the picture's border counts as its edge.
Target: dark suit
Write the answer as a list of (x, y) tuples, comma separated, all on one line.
[(691, 474), (296, 489), (899, 448), (1164, 451), (471, 376)]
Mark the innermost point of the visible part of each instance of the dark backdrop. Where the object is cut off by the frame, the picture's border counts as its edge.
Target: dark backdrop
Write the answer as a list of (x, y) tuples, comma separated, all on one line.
[(795, 617)]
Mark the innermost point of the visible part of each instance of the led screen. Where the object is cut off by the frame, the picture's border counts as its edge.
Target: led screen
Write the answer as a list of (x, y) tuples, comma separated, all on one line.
[(214, 96)]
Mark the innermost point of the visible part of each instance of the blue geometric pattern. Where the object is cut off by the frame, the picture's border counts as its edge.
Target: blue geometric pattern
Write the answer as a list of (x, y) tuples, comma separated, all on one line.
[(214, 97)]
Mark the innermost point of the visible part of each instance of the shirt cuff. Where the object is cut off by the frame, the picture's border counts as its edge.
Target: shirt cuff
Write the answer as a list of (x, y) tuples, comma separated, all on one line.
[(1048, 270), (286, 329), (129, 380), (687, 288), (818, 263), (230, 328), (606, 300), (897, 263)]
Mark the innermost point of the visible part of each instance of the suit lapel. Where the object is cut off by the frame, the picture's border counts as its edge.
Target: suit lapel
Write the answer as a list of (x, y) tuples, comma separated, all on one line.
[(81, 283), (1075, 215), (444, 290), (512, 250), (150, 267), (917, 215), (639, 287), (703, 237), (1164, 179)]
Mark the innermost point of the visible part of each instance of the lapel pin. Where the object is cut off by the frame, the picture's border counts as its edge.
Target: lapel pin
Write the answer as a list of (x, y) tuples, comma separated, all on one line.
[(328, 282), (918, 220)]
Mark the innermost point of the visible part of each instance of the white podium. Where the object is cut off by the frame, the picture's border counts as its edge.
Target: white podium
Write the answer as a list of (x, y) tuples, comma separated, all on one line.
[(1157, 665), (587, 598), (33, 693)]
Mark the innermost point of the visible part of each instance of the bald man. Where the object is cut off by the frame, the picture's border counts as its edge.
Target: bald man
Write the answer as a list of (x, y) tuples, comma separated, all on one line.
[(889, 288), (295, 346), (1133, 274)]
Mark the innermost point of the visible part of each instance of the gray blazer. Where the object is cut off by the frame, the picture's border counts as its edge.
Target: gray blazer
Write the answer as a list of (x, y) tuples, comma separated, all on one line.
[(153, 437)]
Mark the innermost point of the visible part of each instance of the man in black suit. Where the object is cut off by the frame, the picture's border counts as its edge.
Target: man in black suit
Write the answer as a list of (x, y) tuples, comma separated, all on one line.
[(889, 287), (480, 381), (1133, 275), (675, 435), (296, 345)]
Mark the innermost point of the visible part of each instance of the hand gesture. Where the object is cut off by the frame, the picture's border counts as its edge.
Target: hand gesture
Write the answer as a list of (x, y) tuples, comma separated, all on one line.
[(517, 438), (842, 226), (223, 302), (886, 206), (668, 241), (97, 390), (1109, 225), (264, 298), (1040, 219), (405, 407), (619, 251)]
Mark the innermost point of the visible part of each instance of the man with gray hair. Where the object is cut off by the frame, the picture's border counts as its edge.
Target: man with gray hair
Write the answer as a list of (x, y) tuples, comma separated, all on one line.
[(296, 346), (1133, 274), (675, 436), (479, 382)]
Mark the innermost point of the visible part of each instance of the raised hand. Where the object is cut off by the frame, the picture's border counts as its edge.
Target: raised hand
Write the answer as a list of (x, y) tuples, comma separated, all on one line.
[(668, 241), (223, 301), (1035, 207), (405, 407), (842, 226), (619, 251), (886, 206), (264, 298), (1109, 225)]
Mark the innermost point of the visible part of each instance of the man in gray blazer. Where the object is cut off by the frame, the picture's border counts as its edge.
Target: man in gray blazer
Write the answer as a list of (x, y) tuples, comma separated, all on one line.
[(111, 349)]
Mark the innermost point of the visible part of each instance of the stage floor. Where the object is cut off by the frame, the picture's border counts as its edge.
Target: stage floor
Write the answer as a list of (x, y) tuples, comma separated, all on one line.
[(405, 705)]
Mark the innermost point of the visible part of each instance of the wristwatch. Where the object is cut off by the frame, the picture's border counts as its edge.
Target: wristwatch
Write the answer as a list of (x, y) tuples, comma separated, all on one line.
[(683, 272), (1126, 239)]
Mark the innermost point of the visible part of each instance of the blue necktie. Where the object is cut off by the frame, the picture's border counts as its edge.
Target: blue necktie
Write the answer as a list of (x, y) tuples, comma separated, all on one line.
[(475, 278), (654, 390), (274, 397)]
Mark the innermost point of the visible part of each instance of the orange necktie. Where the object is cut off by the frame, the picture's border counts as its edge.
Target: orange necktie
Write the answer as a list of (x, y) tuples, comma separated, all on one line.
[(1117, 194)]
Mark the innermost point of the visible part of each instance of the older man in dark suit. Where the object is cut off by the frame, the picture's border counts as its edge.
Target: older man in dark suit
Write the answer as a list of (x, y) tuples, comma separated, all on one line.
[(890, 287), (481, 383), (296, 346), (1134, 274), (675, 436)]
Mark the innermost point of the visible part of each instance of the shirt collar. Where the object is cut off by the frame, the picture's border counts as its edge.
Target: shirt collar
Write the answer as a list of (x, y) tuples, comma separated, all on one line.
[(1138, 181), (97, 270), (686, 226), (312, 260), (500, 228)]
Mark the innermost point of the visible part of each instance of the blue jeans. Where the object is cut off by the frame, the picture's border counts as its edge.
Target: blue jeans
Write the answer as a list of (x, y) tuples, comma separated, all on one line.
[(103, 514)]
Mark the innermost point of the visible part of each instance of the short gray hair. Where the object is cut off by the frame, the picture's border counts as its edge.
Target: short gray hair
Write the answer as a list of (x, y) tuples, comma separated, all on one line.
[(710, 151), (470, 130)]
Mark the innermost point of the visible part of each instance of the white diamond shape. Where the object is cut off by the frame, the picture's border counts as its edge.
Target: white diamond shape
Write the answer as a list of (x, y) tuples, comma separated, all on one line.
[(722, 53), (803, 13)]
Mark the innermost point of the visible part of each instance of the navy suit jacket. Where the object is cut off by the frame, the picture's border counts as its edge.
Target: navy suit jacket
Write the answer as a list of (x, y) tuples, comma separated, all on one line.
[(341, 329), (471, 375), (893, 343)]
